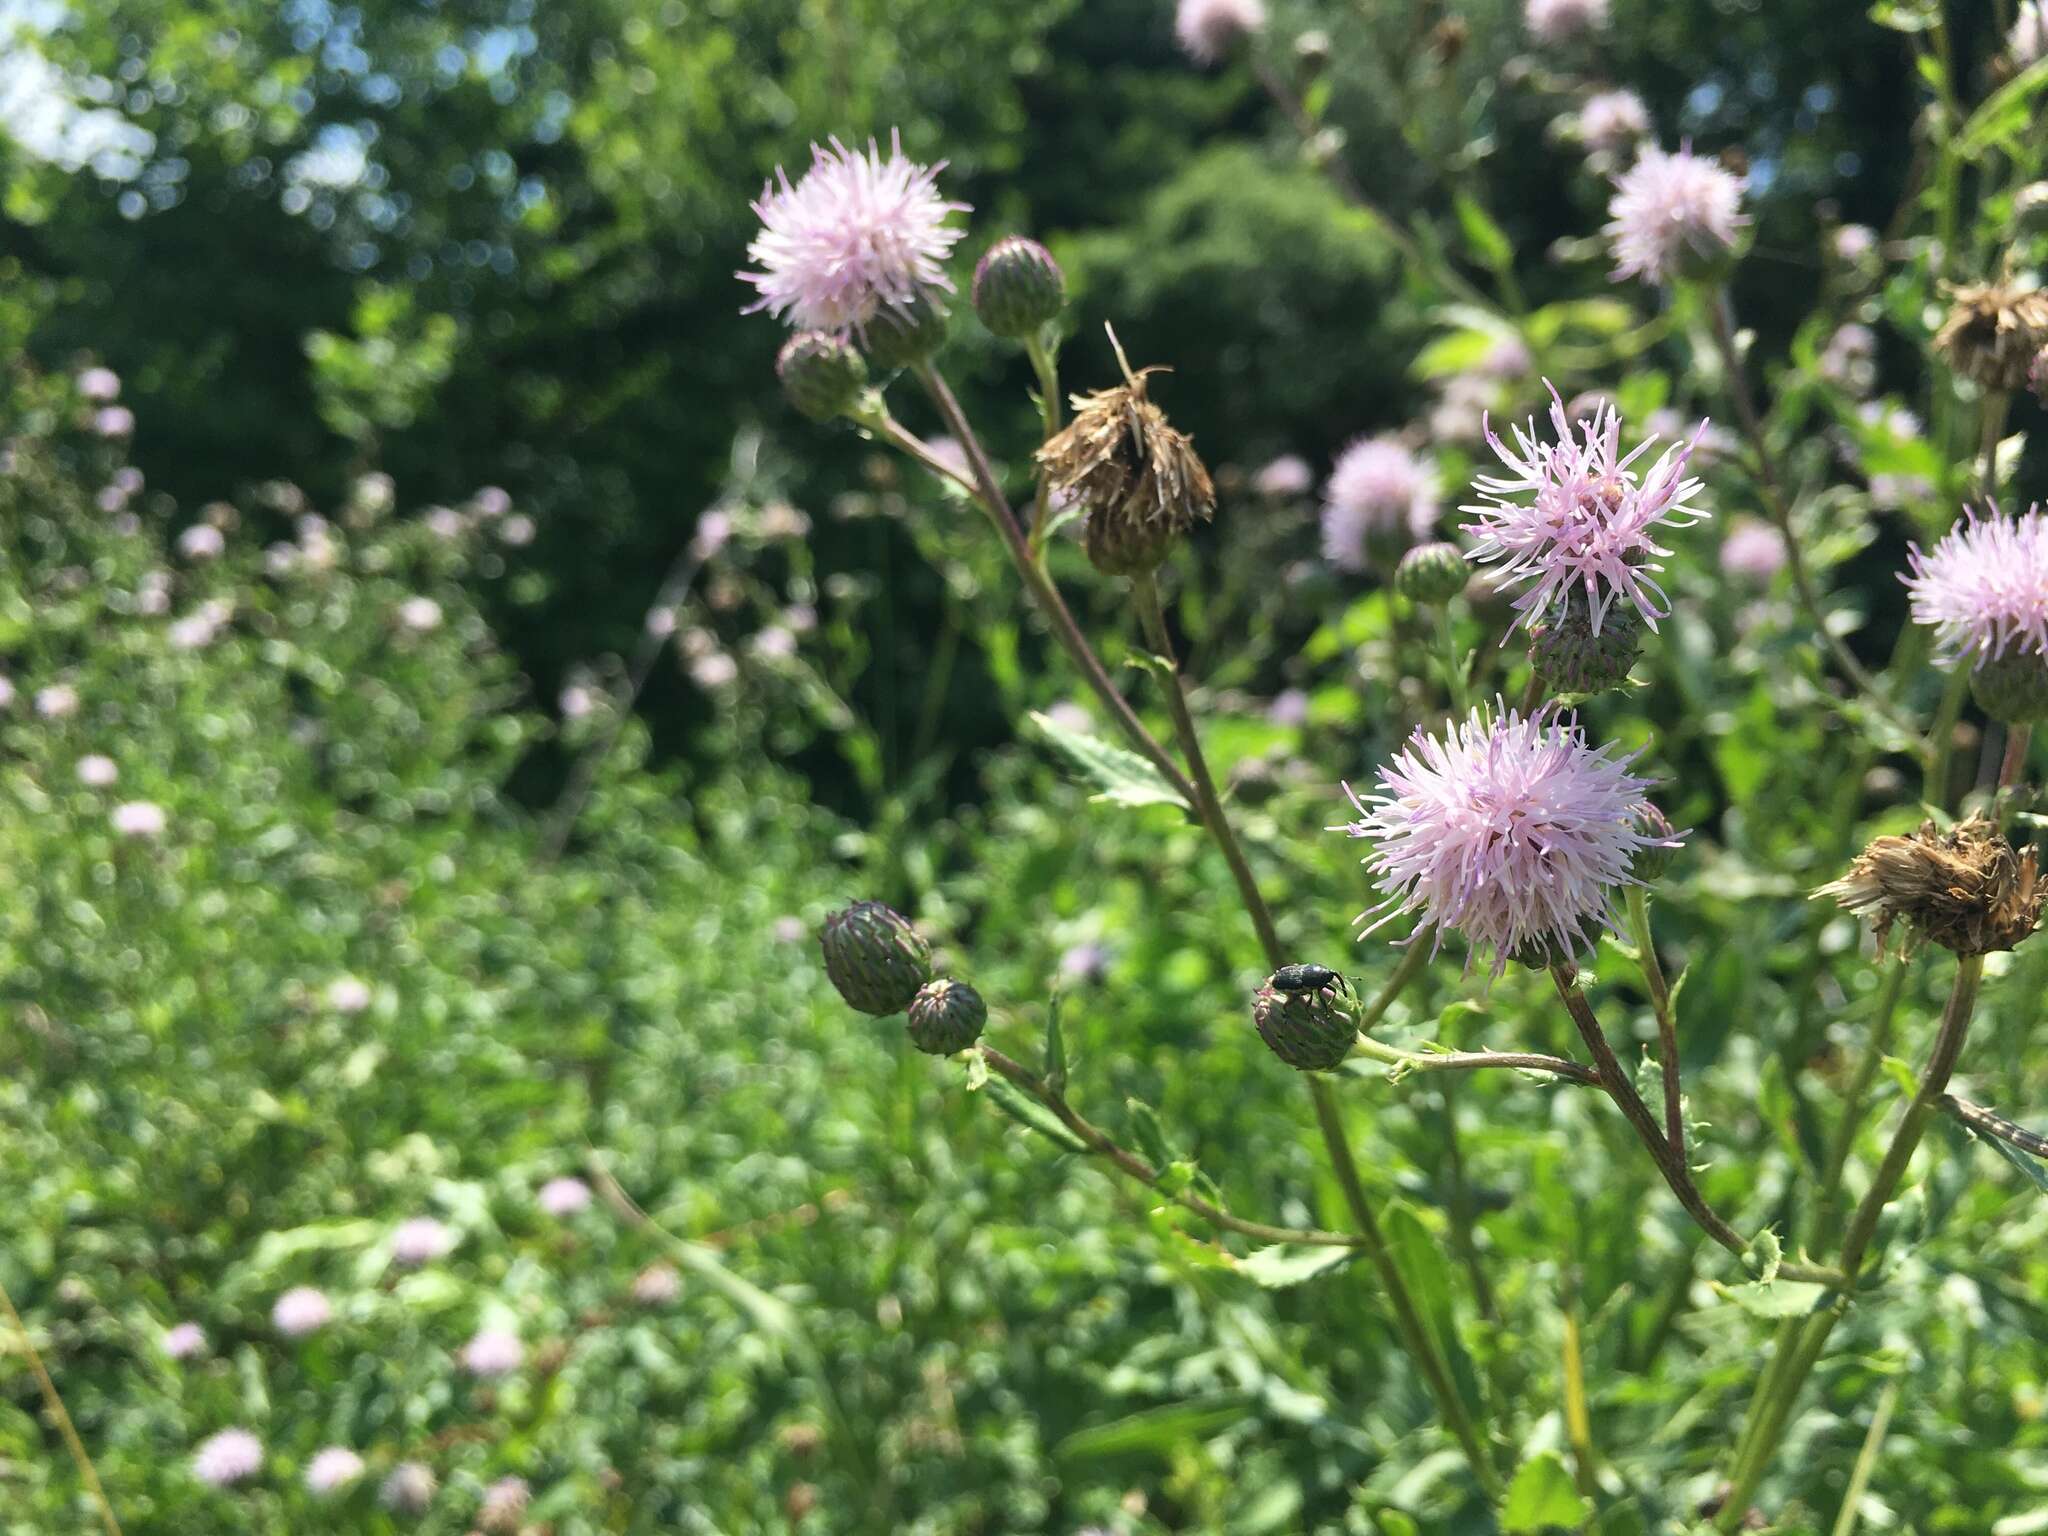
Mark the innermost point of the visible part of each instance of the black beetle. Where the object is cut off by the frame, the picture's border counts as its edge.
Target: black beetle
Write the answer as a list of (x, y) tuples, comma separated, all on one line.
[(1306, 978)]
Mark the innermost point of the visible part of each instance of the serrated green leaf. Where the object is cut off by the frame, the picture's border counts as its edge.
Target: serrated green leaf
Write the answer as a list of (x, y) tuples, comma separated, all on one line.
[(1118, 777), (1543, 1498), (2003, 114), (1776, 1299), (1055, 1047), (1285, 1264), (1148, 1134), (1763, 1256), (1486, 240)]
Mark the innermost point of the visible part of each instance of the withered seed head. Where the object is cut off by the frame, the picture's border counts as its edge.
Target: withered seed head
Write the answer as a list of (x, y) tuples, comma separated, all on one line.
[(1141, 481), (1965, 888), (1993, 332)]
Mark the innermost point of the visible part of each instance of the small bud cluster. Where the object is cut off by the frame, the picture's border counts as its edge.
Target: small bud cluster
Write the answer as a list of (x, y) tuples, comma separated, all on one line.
[(880, 965)]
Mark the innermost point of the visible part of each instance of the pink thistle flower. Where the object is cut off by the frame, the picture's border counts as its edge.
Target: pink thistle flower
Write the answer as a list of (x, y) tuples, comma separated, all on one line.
[(564, 1196), (1589, 520), (300, 1311), (408, 1488), (503, 1504), (1556, 21), (1613, 121), (1513, 831), (1208, 29), (856, 233), (99, 384), (421, 1240), (59, 701), (1753, 549), (113, 421), (333, 1469), (491, 501), (1672, 212), (347, 994), (1288, 475), (184, 1341), (1377, 491), (138, 818), (202, 541), (493, 1352), (228, 1457), (1854, 244), (1983, 589), (657, 1285), (2028, 39), (96, 771)]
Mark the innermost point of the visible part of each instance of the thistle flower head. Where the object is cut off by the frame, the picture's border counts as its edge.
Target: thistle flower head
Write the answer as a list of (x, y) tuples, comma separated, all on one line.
[(2028, 39), (333, 1469), (226, 1458), (1378, 493), (564, 1196), (184, 1341), (408, 1488), (100, 384), (1557, 21), (300, 1311), (1511, 830), (858, 233), (1288, 475), (493, 1352), (1589, 521), (504, 1502), (420, 1240), (1673, 215), (1208, 29), (1993, 332), (1752, 549), (657, 1285), (1983, 589), (1613, 121)]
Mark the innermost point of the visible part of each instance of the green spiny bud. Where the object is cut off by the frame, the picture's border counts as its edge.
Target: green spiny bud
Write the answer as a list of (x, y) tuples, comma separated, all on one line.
[(1570, 658), (875, 958), (946, 1016), (901, 335), (822, 375), (2013, 687), (1432, 574), (1018, 287), (1654, 858), (1310, 1029)]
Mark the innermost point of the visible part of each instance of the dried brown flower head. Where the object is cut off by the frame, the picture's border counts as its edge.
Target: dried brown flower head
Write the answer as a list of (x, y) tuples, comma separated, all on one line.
[(1965, 888), (1994, 332), (1141, 481)]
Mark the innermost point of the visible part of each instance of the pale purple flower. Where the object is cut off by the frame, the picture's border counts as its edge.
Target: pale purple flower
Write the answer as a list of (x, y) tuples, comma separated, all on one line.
[(333, 1469), (1460, 412), (1378, 491), (1589, 520), (1083, 963), (347, 994), (375, 492), (657, 1285), (1850, 357), (661, 622), (1208, 29), (1070, 716), (504, 1502), (226, 1458), (138, 818), (419, 614), (577, 702), (2028, 39), (193, 632), (1984, 588), (517, 531), (59, 701), (714, 530), (800, 618), (1613, 121), (1513, 831), (1557, 21), (491, 501), (184, 1341), (714, 670), (300, 1311), (493, 1352), (790, 929), (110, 498), (1505, 357), (1670, 211), (564, 1196), (1854, 244), (408, 1489), (96, 771), (99, 384), (113, 421), (421, 1240), (1288, 707), (1752, 549), (1288, 475), (444, 523), (202, 541), (857, 233)]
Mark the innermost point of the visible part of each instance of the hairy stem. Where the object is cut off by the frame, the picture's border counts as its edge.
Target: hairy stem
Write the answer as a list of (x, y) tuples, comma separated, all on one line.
[(1667, 1023), (87, 1473)]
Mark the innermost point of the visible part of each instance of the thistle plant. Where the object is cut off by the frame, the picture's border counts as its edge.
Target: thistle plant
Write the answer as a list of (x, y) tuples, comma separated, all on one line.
[(1521, 838)]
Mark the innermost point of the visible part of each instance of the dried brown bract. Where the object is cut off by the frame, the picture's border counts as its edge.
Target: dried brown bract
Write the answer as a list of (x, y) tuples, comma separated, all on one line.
[(1141, 481), (1994, 332), (1965, 889)]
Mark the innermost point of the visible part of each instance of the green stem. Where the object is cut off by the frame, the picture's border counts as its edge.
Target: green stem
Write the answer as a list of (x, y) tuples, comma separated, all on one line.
[(1866, 1460), (1667, 1024), (55, 1404), (1876, 1046), (1454, 663), (1046, 366)]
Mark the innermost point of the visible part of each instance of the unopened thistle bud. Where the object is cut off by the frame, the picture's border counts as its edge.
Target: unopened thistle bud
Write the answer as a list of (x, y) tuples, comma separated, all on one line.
[(903, 335), (1141, 481), (1993, 333), (822, 375), (1431, 574), (1018, 287), (1307, 1016), (1965, 889), (1571, 658), (875, 958), (2013, 688), (946, 1016), (1654, 856)]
